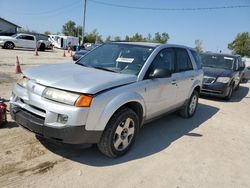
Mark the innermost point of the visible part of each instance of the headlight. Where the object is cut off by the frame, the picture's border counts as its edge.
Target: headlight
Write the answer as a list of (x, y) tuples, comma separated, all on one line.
[(223, 79), (23, 81), (67, 97)]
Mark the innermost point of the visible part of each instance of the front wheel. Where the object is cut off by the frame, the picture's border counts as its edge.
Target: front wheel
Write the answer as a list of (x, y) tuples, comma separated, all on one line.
[(42, 47), (189, 109), (230, 93), (9, 45), (119, 133)]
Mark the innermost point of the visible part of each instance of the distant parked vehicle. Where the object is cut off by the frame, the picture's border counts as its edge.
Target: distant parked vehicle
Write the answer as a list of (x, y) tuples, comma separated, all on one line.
[(63, 42), (81, 53), (22, 40), (222, 74), (246, 75), (43, 42)]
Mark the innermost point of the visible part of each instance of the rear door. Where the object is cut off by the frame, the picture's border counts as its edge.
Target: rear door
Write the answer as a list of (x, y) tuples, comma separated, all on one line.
[(26, 41), (184, 74)]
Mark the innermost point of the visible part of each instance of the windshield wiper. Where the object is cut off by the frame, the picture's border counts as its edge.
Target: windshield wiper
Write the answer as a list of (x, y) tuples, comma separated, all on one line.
[(210, 66), (78, 63), (102, 68)]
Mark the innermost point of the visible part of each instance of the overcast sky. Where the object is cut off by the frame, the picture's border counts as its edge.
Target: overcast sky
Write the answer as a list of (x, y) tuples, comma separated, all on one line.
[(216, 27)]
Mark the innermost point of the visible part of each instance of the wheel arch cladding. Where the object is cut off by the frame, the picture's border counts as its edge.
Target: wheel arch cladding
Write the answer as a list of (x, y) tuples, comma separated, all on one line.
[(131, 100), (196, 86), (198, 89)]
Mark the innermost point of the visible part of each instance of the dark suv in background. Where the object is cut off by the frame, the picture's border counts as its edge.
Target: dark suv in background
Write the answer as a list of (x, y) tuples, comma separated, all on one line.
[(222, 74)]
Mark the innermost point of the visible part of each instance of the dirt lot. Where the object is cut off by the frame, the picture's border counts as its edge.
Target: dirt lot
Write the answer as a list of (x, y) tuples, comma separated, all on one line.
[(210, 150)]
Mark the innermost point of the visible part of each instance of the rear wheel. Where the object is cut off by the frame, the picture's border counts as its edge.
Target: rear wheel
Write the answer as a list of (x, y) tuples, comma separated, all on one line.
[(42, 47), (189, 109), (9, 45), (119, 133)]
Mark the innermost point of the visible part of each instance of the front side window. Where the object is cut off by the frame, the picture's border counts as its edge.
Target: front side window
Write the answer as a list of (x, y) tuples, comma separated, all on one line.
[(20, 37), (117, 57), (164, 60), (183, 60)]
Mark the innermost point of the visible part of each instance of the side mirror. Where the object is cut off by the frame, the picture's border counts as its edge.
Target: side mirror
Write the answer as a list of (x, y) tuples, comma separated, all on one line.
[(160, 73)]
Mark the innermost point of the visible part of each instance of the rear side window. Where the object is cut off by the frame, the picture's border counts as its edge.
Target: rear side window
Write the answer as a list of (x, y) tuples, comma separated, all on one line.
[(183, 60), (29, 38), (197, 59)]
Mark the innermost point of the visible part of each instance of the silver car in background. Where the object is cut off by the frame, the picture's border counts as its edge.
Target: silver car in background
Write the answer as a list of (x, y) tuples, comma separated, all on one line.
[(107, 95), (246, 75)]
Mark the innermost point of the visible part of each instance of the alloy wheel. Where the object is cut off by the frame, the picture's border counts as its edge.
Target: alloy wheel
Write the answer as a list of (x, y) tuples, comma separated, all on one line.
[(193, 104), (124, 134)]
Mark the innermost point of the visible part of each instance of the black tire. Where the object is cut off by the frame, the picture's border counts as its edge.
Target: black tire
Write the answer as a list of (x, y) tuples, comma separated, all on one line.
[(42, 47), (9, 45), (230, 93), (107, 142), (186, 111), (238, 86)]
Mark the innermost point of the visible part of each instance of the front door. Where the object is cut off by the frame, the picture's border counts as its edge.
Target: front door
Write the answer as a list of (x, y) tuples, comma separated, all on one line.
[(161, 93), (21, 42)]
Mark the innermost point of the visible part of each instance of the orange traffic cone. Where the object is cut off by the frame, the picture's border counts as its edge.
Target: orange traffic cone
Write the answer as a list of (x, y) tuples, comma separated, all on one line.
[(36, 52), (18, 67), (68, 49), (71, 53), (64, 55)]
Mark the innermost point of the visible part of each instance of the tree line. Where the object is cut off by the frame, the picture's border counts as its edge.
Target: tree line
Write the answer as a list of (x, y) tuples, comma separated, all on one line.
[(240, 45), (71, 29)]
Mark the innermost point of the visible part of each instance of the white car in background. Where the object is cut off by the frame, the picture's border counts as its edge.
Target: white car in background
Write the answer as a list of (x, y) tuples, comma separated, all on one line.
[(24, 41)]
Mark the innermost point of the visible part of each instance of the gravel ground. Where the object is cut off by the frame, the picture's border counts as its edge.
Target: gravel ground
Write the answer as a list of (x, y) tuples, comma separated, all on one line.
[(212, 149)]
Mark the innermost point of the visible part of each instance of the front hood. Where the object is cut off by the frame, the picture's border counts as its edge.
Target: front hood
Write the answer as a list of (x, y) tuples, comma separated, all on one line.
[(77, 78), (216, 72), (6, 38)]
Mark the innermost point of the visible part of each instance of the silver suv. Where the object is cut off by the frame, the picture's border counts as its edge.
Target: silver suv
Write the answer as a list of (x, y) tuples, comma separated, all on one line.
[(107, 95)]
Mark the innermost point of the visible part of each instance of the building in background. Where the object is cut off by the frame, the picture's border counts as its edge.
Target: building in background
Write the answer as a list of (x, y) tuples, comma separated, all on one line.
[(7, 28)]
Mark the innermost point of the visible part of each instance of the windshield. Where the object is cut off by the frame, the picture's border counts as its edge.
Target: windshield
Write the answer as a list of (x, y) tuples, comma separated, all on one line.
[(217, 61), (14, 36), (117, 57)]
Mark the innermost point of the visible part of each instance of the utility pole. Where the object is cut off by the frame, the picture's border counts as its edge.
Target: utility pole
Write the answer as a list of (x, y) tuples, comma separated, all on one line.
[(83, 22)]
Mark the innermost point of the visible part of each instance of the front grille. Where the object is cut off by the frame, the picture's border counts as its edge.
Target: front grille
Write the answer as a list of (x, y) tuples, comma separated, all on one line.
[(211, 91), (40, 118), (36, 108)]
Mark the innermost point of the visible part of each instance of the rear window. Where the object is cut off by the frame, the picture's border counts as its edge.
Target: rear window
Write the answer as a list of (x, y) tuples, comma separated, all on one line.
[(183, 60), (197, 59)]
